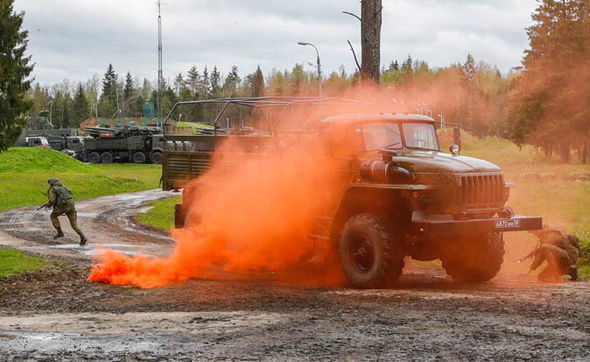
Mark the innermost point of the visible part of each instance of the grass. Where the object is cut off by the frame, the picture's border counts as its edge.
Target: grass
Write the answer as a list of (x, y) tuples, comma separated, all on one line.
[(24, 173), (162, 215), (13, 262)]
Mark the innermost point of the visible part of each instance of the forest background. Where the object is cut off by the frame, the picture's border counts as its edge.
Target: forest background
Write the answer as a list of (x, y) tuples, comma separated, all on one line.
[(543, 102)]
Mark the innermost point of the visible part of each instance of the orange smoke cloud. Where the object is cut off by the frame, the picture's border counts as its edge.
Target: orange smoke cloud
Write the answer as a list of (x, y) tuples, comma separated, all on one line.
[(247, 220)]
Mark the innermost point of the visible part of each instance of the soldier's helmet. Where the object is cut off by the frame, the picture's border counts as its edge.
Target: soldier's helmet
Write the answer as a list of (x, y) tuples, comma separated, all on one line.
[(53, 181)]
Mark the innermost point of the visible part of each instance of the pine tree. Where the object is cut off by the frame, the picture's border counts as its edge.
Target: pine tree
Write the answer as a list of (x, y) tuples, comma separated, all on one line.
[(108, 99), (549, 100), (80, 107), (231, 83), (15, 68), (258, 83), (215, 83)]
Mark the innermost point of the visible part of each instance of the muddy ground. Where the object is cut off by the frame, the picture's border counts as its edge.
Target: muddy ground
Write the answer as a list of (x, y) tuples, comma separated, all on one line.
[(57, 314)]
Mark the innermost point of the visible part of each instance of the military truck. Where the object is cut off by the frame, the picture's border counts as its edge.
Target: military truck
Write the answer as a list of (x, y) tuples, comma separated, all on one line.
[(134, 144), (404, 196)]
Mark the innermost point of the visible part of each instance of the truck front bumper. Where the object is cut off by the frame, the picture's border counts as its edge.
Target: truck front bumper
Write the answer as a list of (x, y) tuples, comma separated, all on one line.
[(444, 224)]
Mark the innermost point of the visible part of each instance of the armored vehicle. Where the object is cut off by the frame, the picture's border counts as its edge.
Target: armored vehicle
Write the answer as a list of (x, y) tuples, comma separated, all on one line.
[(126, 144), (404, 196)]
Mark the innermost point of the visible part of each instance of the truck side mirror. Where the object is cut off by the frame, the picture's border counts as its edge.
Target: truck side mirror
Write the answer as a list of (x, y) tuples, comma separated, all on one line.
[(457, 136)]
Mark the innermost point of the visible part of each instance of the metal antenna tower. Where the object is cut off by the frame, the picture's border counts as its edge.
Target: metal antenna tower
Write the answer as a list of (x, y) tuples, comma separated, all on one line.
[(159, 98)]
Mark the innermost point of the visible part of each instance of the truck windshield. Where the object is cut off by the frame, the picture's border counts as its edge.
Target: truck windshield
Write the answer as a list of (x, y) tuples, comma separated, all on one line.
[(420, 136), (381, 135)]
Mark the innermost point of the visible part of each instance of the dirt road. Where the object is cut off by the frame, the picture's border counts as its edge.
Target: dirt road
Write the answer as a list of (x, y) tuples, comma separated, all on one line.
[(57, 314)]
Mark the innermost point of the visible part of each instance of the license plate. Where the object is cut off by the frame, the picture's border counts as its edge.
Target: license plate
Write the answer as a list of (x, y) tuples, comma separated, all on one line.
[(508, 224)]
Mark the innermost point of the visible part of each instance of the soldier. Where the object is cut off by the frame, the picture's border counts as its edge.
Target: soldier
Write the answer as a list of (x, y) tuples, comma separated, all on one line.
[(60, 197), (559, 249)]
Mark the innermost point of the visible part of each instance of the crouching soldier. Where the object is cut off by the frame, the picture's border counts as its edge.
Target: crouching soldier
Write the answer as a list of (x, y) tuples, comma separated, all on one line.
[(60, 198), (559, 249)]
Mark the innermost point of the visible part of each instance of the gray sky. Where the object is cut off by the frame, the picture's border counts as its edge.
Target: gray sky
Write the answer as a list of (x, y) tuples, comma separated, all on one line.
[(74, 39)]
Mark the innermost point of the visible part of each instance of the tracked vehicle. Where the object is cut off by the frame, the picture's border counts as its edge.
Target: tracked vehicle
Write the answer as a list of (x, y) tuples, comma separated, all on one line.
[(403, 195)]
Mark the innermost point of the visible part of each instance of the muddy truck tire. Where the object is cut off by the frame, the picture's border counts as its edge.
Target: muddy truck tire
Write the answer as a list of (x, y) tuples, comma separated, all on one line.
[(475, 258), (371, 251)]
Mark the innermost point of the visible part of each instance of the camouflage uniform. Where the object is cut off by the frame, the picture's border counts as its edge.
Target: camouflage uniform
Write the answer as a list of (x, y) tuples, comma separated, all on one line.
[(561, 252), (60, 197)]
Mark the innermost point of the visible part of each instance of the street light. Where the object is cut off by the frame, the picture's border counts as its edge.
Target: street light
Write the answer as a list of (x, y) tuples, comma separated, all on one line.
[(319, 66)]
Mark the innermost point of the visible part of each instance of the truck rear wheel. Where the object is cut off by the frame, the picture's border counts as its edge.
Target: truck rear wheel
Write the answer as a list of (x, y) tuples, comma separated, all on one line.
[(106, 157), (139, 157), (156, 157), (474, 259), (94, 157), (371, 251)]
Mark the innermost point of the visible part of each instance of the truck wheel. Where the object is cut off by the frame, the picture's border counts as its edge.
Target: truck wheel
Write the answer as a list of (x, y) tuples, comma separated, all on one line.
[(371, 252), (106, 157), (139, 157), (94, 157), (156, 157), (474, 259)]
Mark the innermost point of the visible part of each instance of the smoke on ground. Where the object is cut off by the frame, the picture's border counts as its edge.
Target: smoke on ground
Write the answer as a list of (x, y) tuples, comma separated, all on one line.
[(248, 220)]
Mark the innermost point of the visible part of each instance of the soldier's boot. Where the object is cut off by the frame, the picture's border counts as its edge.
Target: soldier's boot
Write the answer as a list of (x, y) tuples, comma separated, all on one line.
[(60, 233), (573, 273), (83, 239)]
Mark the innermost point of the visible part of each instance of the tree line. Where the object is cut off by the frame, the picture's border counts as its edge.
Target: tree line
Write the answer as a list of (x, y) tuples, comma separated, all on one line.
[(541, 103)]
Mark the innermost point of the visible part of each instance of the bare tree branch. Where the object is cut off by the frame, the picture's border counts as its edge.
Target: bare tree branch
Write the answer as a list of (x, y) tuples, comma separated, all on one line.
[(354, 55), (351, 14)]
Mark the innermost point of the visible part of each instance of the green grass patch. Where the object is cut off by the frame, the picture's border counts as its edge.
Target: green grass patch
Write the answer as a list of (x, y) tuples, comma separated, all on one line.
[(13, 262), (195, 126), (162, 215), (24, 173)]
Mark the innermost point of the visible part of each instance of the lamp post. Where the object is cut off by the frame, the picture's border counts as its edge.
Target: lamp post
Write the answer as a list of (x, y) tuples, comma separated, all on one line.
[(319, 65)]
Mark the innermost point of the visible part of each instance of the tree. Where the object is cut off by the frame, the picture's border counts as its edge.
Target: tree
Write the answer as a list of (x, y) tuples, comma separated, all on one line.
[(108, 99), (258, 83), (215, 83), (15, 69), (80, 107), (469, 76), (371, 40), (231, 83), (548, 105)]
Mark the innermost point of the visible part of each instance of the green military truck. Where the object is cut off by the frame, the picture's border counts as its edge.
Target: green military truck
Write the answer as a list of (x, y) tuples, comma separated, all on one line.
[(124, 144), (405, 197)]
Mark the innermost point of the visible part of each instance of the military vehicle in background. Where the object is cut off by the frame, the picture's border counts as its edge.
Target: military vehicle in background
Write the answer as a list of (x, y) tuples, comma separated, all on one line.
[(124, 144), (403, 196), (37, 142), (54, 137)]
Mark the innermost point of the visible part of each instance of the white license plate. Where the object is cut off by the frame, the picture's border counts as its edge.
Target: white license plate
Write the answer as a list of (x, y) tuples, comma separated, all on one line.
[(508, 224)]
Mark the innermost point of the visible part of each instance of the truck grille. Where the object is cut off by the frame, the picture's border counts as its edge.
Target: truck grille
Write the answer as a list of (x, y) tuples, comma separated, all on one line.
[(482, 191)]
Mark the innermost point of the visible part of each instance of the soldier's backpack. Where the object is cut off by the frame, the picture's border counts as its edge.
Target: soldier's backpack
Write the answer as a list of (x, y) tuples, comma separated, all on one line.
[(63, 196)]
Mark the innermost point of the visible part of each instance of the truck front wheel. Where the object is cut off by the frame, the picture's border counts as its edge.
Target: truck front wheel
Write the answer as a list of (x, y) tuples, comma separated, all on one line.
[(371, 251), (475, 258)]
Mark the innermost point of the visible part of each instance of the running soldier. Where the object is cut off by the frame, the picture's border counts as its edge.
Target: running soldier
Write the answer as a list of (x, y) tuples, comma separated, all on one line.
[(559, 249), (60, 198)]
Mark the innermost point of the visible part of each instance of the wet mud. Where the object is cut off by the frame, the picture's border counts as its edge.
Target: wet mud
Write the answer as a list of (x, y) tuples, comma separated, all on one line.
[(57, 314)]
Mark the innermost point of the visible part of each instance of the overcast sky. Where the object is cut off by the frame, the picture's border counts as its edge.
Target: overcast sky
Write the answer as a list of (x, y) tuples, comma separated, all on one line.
[(74, 39)]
